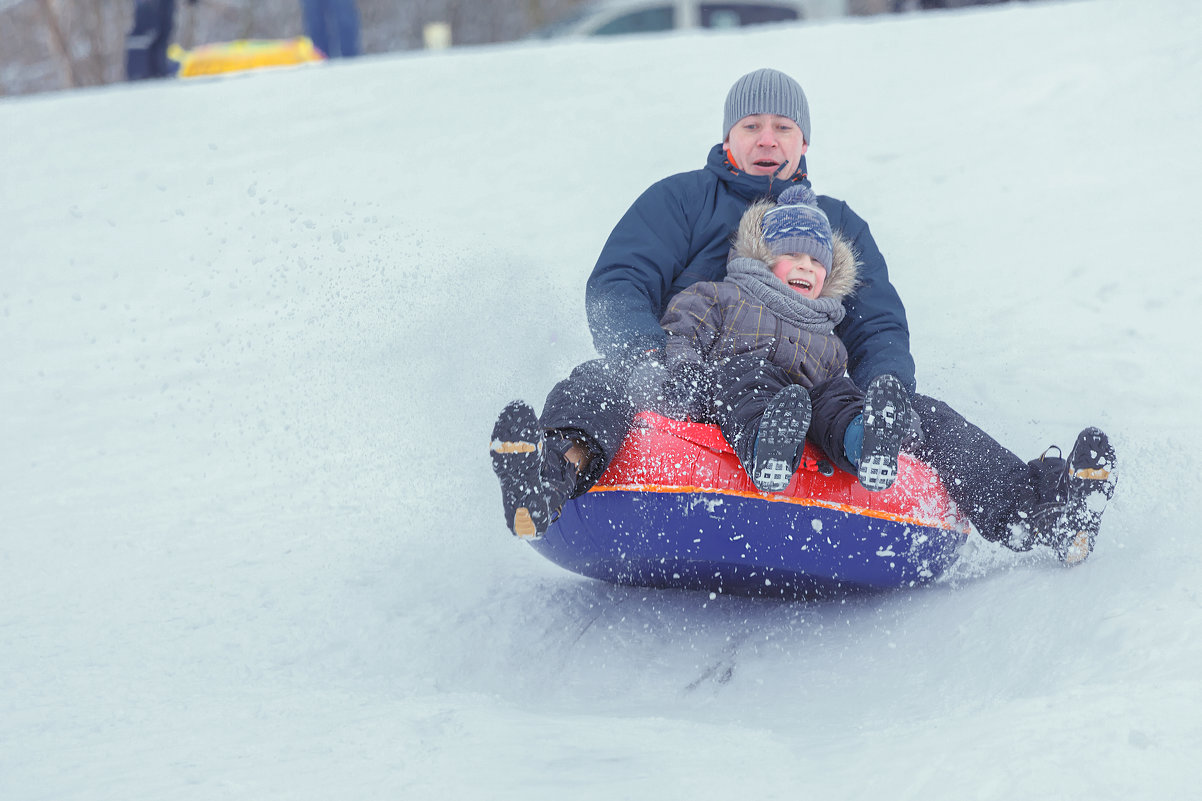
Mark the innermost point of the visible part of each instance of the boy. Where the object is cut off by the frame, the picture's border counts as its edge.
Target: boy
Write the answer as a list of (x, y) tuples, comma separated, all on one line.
[(741, 353), (745, 350)]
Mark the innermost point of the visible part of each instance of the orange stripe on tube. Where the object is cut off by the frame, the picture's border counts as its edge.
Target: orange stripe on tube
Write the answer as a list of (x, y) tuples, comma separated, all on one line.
[(775, 498)]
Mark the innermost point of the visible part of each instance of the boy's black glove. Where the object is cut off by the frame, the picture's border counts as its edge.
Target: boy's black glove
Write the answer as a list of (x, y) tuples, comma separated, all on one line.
[(675, 393), (687, 389), (645, 387)]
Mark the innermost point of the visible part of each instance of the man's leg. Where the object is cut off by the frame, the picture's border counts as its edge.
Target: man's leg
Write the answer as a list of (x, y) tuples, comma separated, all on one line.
[(1055, 501), (313, 15), (140, 39), (346, 21), (160, 65), (987, 482), (541, 462), (837, 402), (593, 408)]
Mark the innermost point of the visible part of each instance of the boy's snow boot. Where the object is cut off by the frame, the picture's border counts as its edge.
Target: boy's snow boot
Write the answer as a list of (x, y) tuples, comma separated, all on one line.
[(535, 474), (1072, 495), (887, 421), (779, 439)]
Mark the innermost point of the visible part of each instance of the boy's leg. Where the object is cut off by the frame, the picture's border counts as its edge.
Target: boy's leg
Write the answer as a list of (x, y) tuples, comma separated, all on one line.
[(837, 402), (780, 438), (886, 423), (882, 419), (764, 417)]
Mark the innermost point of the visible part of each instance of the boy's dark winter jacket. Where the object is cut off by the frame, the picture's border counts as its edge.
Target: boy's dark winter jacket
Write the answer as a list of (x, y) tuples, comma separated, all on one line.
[(713, 321), (678, 233)]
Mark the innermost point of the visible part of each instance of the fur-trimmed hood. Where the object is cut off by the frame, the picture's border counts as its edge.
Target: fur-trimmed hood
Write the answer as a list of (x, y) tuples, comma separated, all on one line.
[(845, 263)]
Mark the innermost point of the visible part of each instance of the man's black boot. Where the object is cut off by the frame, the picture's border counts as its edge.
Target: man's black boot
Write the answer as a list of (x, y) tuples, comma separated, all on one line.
[(535, 474)]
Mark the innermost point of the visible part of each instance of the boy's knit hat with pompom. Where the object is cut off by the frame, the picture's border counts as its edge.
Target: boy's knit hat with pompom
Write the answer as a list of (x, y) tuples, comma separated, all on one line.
[(796, 225)]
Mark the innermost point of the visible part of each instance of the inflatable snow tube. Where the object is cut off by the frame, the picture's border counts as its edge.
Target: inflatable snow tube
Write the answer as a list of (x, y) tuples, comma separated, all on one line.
[(675, 509), (245, 54)]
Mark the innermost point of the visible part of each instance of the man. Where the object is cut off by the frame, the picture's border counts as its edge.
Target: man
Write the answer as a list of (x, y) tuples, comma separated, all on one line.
[(677, 233)]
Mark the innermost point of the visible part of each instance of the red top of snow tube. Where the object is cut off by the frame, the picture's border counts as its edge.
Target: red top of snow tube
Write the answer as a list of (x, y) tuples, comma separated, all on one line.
[(666, 455)]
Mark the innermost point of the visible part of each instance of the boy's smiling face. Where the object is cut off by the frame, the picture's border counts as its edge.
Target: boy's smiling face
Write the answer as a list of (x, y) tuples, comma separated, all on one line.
[(803, 274)]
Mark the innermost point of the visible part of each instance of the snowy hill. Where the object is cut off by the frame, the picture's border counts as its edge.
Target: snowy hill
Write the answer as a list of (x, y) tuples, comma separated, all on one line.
[(254, 333)]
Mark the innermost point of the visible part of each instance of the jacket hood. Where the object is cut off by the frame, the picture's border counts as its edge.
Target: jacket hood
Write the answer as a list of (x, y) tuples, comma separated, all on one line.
[(845, 263)]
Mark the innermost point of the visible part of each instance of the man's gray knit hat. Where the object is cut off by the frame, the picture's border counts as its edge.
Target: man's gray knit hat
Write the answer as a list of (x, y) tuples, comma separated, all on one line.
[(767, 91)]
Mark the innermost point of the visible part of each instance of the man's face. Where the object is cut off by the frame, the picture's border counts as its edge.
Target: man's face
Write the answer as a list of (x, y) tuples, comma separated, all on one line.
[(760, 143)]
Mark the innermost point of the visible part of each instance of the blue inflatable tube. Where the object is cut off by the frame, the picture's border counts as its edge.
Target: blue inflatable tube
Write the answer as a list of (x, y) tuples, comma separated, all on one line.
[(676, 510)]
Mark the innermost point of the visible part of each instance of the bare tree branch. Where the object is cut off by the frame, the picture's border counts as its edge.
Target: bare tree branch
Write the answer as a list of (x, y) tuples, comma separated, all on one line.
[(59, 43)]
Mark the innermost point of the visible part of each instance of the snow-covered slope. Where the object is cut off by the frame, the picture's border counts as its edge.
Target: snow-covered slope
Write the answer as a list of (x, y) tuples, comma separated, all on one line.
[(254, 332)]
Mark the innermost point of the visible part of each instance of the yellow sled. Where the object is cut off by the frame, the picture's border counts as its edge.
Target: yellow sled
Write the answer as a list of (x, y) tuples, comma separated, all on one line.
[(243, 55)]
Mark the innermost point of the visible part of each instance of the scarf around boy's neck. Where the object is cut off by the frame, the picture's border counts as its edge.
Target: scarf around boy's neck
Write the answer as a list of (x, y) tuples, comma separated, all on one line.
[(819, 315)]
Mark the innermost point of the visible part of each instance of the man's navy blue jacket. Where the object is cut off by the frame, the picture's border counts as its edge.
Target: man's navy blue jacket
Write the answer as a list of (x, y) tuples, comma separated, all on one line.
[(679, 232)]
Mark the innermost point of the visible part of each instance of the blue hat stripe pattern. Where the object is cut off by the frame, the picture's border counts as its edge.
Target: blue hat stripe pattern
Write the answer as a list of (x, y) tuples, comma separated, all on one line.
[(791, 225)]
